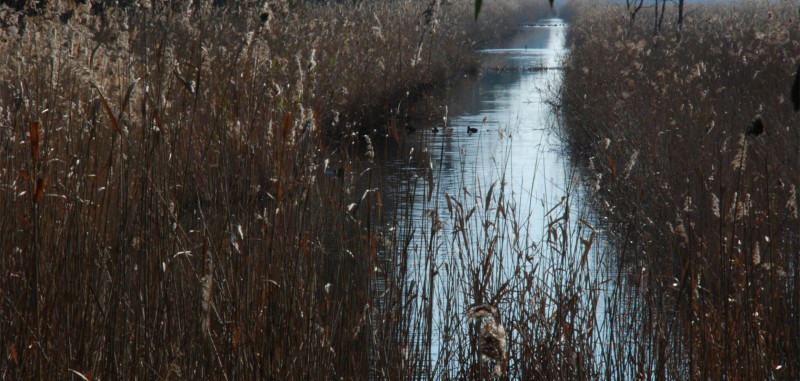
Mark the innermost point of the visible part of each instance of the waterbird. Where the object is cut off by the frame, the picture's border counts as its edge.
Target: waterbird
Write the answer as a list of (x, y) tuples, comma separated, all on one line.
[(756, 126), (471, 130), (796, 91), (411, 129), (435, 130)]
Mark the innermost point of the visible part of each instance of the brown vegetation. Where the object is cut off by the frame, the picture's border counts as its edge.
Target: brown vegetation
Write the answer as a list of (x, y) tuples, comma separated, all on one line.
[(703, 215), (179, 193)]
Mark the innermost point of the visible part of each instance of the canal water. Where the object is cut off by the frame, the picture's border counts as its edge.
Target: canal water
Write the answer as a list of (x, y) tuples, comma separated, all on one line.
[(477, 196)]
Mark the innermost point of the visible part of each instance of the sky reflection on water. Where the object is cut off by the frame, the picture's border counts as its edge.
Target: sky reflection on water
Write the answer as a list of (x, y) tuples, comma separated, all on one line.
[(510, 104)]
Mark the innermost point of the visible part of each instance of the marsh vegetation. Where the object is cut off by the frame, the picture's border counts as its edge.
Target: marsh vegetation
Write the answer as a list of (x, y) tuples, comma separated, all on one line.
[(189, 191), (198, 191), (688, 138)]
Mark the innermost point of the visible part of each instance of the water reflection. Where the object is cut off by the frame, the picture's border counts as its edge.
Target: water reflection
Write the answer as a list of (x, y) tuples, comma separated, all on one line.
[(508, 108), (513, 149)]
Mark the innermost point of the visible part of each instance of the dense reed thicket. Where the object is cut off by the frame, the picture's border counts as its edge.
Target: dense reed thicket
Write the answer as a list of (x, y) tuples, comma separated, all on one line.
[(704, 216), (185, 192)]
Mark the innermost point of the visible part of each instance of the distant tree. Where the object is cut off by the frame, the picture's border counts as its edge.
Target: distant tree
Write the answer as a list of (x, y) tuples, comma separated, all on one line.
[(633, 7), (659, 19)]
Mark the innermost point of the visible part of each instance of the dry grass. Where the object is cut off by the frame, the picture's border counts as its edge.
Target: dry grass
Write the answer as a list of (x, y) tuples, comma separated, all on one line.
[(183, 189), (704, 217)]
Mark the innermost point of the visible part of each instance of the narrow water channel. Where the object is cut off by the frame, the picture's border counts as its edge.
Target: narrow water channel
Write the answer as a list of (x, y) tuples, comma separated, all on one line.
[(496, 136), (508, 106)]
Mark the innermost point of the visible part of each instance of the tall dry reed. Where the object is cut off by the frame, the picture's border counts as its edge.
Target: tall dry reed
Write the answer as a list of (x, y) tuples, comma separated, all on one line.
[(703, 215), (187, 192)]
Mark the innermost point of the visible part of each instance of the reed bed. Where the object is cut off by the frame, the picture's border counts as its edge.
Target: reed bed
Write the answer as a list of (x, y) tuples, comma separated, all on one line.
[(189, 191), (478, 260), (703, 215)]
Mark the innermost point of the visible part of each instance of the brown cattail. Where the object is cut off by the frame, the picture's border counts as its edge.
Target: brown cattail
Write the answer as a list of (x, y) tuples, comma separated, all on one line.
[(40, 185), (35, 137), (756, 126)]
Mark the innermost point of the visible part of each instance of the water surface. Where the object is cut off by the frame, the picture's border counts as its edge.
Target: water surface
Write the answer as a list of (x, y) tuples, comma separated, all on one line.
[(496, 135)]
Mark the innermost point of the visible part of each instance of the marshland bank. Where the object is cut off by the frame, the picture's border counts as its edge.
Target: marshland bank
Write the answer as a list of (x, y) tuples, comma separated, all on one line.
[(187, 192), (703, 215), (180, 199)]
